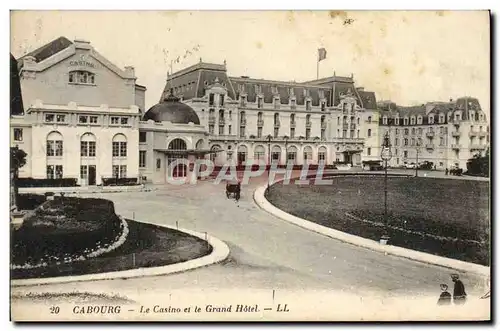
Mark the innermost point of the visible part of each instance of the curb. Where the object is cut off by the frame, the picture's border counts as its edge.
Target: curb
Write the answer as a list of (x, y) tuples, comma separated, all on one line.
[(263, 203), (220, 252), (70, 190)]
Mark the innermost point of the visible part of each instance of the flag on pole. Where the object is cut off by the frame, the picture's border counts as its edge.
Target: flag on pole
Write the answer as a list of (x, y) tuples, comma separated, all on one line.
[(321, 54)]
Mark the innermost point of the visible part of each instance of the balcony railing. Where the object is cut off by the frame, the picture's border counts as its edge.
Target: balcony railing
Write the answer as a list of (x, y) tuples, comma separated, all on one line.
[(473, 133), (455, 122), (211, 120), (348, 140), (243, 121), (430, 134), (429, 146), (260, 122), (323, 125), (308, 124), (293, 124), (477, 147), (353, 126), (224, 137), (455, 146), (276, 124), (345, 126), (482, 133), (222, 121), (455, 134)]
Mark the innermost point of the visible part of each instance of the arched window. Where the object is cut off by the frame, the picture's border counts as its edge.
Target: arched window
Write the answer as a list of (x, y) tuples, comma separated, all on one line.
[(177, 144), (292, 118), (276, 118), (242, 154), (369, 132), (119, 151), (291, 155), (259, 153), (322, 155), (200, 144), (88, 145), (54, 144), (276, 154), (307, 154), (54, 168), (259, 116), (213, 154), (180, 169), (119, 147), (81, 77)]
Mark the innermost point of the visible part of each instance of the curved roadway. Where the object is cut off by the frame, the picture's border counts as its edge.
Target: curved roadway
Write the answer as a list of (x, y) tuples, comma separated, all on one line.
[(266, 252)]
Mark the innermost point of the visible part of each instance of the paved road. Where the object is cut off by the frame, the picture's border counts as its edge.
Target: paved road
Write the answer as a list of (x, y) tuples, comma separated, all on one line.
[(266, 252)]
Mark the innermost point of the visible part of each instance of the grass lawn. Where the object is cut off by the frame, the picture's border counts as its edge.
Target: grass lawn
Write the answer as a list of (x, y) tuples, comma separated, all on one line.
[(146, 246), (428, 206)]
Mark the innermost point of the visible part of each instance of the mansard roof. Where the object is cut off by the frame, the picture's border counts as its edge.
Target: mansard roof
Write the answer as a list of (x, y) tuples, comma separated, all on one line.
[(47, 50)]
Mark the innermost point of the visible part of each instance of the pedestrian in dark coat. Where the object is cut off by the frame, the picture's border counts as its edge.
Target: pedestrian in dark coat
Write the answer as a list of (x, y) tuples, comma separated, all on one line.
[(446, 172), (445, 297), (459, 295)]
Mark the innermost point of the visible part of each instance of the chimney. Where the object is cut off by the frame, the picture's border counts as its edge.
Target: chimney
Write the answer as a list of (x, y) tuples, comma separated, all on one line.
[(82, 44), (451, 100), (360, 89), (29, 60), (130, 71)]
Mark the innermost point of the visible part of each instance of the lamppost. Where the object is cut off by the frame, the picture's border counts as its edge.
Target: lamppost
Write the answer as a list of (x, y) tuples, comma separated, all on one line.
[(269, 137), (416, 163), (386, 155)]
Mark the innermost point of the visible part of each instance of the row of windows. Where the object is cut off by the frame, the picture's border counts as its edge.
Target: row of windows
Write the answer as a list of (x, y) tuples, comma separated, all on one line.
[(277, 102), (274, 90), (85, 119), (419, 120), (81, 77)]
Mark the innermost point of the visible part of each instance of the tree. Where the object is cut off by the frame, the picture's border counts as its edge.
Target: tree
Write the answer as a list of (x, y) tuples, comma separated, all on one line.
[(17, 161), (479, 165)]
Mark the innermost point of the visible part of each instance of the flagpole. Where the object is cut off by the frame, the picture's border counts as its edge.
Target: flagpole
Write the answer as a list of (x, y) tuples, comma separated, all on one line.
[(317, 68)]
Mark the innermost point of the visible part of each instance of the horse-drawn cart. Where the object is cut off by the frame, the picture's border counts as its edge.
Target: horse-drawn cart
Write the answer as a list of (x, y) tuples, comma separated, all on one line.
[(233, 188)]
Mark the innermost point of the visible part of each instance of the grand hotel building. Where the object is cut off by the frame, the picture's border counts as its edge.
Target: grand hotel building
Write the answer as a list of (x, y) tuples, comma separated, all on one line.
[(85, 118)]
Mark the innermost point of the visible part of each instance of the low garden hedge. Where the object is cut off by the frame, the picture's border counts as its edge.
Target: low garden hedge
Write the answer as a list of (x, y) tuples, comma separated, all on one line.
[(45, 182), (29, 201), (65, 226), (112, 181)]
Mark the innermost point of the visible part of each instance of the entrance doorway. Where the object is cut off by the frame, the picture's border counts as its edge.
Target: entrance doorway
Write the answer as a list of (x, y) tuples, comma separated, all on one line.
[(92, 175)]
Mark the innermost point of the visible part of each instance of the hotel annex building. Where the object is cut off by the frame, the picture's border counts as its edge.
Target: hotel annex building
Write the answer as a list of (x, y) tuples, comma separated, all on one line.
[(85, 118)]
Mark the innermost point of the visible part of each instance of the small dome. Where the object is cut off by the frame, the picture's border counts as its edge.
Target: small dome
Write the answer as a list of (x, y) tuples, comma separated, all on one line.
[(172, 110)]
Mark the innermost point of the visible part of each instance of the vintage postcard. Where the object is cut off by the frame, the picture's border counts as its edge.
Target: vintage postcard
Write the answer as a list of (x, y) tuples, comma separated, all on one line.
[(250, 166)]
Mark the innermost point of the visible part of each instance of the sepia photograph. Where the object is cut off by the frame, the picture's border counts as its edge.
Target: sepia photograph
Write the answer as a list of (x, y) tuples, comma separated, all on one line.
[(250, 166)]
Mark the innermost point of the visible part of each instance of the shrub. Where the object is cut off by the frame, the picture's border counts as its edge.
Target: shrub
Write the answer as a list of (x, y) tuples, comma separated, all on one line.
[(45, 182), (65, 226), (112, 181), (29, 201)]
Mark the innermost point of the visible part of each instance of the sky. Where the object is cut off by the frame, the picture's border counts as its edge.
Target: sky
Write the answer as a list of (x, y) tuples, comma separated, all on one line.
[(409, 57)]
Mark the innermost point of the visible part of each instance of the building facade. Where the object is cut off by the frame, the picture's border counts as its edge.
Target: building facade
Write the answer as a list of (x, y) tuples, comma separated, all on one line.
[(323, 121), (444, 133), (81, 114), (85, 118)]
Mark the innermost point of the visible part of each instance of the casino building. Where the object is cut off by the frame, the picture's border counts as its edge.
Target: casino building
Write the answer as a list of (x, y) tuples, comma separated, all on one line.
[(85, 118)]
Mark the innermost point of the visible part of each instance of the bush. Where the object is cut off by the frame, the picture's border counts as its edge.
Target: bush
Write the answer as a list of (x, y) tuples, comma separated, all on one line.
[(113, 181), (65, 226), (45, 182), (29, 201)]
